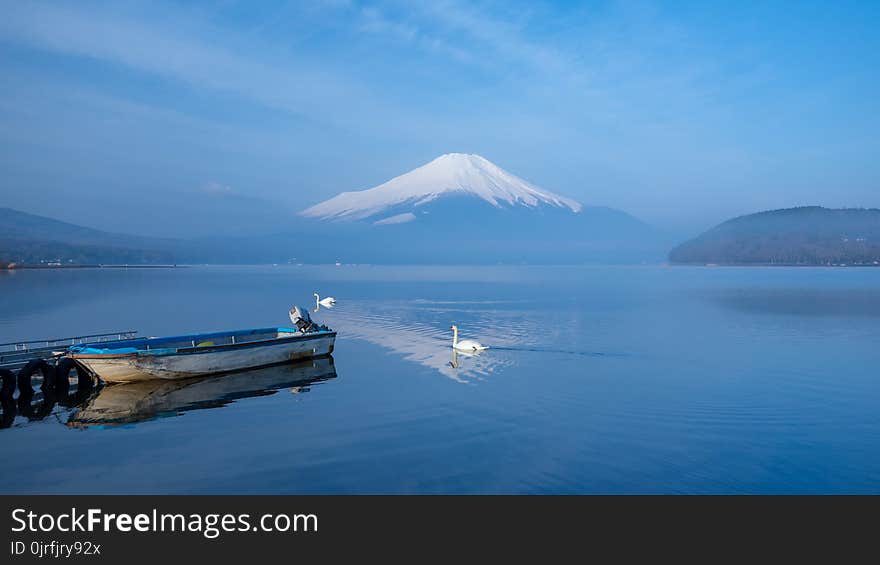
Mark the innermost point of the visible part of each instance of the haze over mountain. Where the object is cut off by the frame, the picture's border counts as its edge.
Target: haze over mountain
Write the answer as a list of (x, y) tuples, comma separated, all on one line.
[(456, 209), (809, 235)]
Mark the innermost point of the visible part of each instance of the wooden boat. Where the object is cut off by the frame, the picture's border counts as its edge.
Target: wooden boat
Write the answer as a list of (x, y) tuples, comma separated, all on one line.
[(199, 354)]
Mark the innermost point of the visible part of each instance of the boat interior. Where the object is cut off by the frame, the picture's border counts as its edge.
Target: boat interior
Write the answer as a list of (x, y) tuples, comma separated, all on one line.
[(186, 341)]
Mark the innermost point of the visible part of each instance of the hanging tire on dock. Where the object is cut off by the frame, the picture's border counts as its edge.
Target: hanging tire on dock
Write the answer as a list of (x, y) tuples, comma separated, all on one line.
[(8, 387), (28, 371), (7, 404), (85, 380), (62, 376)]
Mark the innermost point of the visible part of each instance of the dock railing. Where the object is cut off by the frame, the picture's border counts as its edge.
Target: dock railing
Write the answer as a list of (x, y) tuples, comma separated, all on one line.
[(16, 354)]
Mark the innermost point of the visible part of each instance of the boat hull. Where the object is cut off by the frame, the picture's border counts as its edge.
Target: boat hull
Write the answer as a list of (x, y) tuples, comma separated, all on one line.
[(198, 361)]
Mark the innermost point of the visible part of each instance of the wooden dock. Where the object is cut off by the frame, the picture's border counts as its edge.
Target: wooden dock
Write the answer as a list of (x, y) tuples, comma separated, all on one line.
[(16, 354), (40, 363)]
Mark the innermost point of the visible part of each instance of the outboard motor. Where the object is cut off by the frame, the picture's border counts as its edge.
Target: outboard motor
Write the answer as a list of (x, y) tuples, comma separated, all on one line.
[(301, 319)]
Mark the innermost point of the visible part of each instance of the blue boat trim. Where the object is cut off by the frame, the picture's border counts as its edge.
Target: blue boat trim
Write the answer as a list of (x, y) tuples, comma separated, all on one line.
[(140, 346)]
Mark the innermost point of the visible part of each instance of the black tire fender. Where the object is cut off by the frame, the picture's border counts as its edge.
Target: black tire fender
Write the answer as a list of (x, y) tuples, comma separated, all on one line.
[(9, 411), (62, 374), (8, 387), (26, 372), (85, 380)]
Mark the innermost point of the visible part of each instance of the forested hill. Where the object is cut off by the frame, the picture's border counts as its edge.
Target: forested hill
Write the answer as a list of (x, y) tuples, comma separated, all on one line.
[(27, 238), (809, 235)]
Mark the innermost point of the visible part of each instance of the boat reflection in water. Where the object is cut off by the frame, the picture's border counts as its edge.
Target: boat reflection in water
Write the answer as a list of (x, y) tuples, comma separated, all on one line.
[(141, 401)]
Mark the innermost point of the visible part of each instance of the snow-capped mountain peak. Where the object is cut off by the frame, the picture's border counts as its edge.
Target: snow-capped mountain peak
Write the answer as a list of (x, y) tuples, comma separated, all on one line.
[(449, 174)]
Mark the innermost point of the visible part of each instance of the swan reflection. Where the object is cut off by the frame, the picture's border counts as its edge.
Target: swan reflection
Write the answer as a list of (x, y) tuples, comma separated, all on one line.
[(464, 354), (146, 400)]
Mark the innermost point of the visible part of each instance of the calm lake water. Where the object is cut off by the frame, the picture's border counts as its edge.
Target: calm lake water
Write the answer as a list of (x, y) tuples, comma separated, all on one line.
[(598, 380)]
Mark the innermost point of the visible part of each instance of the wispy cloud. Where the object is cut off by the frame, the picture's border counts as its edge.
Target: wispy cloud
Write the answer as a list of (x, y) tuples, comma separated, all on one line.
[(374, 21), (216, 188), (491, 39), (205, 59), (503, 36)]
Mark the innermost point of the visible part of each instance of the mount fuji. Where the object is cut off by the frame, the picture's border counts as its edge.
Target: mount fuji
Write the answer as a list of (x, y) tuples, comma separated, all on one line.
[(462, 208), (450, 175)]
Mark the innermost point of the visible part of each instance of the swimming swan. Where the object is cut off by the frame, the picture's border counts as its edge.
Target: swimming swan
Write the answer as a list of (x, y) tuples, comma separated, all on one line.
[(465, 344), (328, 302)]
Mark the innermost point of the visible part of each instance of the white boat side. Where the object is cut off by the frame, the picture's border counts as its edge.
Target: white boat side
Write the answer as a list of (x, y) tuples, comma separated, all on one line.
[(132, 366)]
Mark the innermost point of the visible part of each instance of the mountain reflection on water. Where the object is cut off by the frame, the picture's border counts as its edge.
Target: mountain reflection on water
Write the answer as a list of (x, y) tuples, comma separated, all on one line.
[(397, 326)]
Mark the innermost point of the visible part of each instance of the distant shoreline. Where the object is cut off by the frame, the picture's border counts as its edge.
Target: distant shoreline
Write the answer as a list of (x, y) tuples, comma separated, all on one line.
[(814, 265), (31, 267), (23, 266)]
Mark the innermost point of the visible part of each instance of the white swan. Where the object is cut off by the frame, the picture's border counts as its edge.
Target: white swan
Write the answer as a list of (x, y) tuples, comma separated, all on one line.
[(465, 344), (328, 302)]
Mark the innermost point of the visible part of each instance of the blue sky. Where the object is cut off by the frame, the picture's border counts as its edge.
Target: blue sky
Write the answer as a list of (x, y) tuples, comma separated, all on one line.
[(133, 116)]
